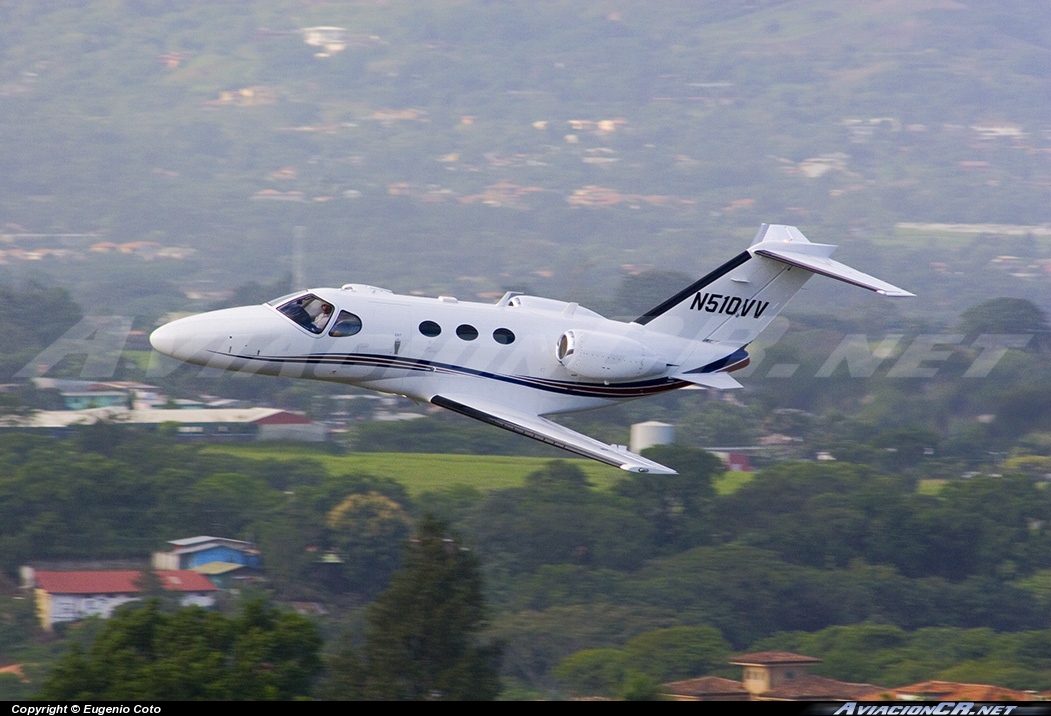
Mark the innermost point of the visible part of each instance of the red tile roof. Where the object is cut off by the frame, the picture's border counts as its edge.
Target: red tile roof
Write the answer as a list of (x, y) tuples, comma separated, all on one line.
[(705, 686), (948, 691), (15, 669), (810, 687), (119, 582), (283, 418)]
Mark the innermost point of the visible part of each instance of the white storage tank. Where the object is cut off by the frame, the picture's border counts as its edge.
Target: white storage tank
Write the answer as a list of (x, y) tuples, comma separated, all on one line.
[(650, 433)]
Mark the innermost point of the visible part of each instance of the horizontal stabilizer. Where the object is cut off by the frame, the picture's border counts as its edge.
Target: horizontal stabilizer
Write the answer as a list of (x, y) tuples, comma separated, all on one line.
[(550, 432), (788, 245)]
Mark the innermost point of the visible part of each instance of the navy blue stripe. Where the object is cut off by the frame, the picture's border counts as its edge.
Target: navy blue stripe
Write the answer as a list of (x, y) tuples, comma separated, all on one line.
[(736, 357), (599, 390), (693, 288)]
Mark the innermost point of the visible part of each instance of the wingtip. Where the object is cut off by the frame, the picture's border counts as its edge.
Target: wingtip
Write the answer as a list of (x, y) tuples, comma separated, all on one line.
[(640, 470)]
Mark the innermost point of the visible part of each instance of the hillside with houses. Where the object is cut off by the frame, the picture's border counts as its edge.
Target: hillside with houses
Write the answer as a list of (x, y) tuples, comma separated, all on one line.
[(193, 148)]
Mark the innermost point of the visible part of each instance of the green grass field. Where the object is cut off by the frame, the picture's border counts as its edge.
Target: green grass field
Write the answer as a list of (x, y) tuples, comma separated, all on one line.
[(730, 482), (422, 472), (930, 487)]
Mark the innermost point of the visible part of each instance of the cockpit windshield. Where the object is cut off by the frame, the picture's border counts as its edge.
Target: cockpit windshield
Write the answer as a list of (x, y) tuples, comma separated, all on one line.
[(309, 311)]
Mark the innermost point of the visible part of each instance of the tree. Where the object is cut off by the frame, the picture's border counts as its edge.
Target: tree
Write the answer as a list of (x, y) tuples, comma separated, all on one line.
[(593, 672), (1007, 315), (143, 653), (679, 652), (677, 507), (555, 518), (653, 657), (366, 529), (24, 333), (421, 636)]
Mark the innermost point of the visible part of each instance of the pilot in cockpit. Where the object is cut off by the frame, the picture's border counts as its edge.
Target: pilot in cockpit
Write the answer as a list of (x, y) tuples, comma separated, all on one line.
[(322, 316), (309, 311)]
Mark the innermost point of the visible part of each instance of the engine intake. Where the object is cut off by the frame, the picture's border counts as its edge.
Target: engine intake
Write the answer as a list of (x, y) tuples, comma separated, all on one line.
[(603, 356)]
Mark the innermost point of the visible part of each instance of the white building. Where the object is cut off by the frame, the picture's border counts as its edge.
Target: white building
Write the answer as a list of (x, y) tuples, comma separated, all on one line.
[(203, 424), (70, 596)]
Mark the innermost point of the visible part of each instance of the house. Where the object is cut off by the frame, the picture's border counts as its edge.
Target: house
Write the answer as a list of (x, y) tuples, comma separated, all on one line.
[(71, 596), (85, 394), (191, 552), (782, 676), (220, 559), (16, 671), (224, 575), (707, 688), (947, 691), (330, 39), (769, 676), (84, 400), (734, 461)]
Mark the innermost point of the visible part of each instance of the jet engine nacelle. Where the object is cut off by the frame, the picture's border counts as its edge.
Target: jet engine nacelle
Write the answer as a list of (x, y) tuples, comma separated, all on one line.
[(592, 354)]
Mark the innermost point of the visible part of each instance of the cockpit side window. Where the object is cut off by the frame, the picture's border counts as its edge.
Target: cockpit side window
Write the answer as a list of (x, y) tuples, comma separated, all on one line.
[(347, 324), (309, 311)]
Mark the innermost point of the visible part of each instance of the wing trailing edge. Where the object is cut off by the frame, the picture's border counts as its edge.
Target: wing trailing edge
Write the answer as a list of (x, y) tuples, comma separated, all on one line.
[(719, 381), (550, 432)]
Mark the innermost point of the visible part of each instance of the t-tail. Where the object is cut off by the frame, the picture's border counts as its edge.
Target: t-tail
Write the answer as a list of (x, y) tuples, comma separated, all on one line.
[(736, 301)]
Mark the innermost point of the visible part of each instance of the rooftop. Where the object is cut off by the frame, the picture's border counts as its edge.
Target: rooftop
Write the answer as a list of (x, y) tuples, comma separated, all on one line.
[(119, 582), (772, 658)]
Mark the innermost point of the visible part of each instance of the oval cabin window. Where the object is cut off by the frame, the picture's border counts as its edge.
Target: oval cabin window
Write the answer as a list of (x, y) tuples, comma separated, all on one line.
[(430, 329), (467, 332), (504, 336)]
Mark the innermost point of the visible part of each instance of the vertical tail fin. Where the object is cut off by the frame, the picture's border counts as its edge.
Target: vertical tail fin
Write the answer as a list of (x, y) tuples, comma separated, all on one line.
[(735, 302)]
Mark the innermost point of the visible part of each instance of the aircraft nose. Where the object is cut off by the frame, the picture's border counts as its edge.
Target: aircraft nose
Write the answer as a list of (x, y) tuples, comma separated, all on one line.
[(173, 339), (208, 338)]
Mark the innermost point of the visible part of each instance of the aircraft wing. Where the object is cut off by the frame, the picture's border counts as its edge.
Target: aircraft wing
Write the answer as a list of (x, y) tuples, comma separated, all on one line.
[(720, 381), (550, 432)]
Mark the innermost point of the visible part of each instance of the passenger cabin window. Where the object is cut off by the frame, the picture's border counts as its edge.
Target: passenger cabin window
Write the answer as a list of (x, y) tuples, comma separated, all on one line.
[(467, 332), (430, 329), (347, 324), (504, 336), (309, 311)]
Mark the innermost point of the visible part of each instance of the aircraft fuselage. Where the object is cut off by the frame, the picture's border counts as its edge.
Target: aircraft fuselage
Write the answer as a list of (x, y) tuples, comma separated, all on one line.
[(419, 347)]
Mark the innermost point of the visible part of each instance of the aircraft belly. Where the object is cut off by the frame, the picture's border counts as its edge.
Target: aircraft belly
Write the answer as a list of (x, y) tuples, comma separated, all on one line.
[(522, 394)]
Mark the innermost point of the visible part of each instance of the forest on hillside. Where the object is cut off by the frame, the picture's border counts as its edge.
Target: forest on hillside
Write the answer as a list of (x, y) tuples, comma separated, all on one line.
[(171, 151), (664, 577)]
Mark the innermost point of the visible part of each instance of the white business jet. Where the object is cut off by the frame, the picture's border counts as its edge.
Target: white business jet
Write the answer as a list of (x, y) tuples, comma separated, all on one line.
[(525, 357)]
